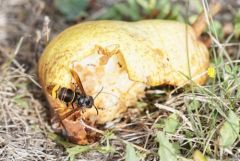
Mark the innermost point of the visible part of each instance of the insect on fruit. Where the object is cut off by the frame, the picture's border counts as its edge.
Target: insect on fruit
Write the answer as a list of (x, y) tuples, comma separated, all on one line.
[(76, 97)]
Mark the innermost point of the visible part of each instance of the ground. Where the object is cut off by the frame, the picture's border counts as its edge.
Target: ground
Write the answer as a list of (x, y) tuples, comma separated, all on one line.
[(25, 134)]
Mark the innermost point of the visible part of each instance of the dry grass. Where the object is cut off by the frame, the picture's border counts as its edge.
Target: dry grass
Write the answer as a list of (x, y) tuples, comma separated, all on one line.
[(23, 123), (24, 128)]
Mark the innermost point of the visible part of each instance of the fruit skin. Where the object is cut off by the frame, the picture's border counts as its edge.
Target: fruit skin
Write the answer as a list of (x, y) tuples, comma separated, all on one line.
[(154, 51), (149, 53)]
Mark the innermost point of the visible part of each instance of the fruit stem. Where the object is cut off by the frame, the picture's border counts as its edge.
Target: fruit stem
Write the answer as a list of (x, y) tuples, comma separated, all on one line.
[(201, 22)]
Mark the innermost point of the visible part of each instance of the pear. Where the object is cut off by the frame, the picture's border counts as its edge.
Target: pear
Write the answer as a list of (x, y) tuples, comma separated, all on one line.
[(116, 61)]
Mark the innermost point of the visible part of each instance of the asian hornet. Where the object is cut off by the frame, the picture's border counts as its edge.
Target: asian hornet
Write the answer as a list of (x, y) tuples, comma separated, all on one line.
[(76, 97)]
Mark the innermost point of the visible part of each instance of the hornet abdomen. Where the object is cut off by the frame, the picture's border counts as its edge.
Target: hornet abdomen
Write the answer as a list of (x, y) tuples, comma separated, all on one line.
[(66, 95)]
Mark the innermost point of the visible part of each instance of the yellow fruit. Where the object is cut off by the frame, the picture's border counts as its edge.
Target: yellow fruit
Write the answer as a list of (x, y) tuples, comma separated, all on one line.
[(123, 58)]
